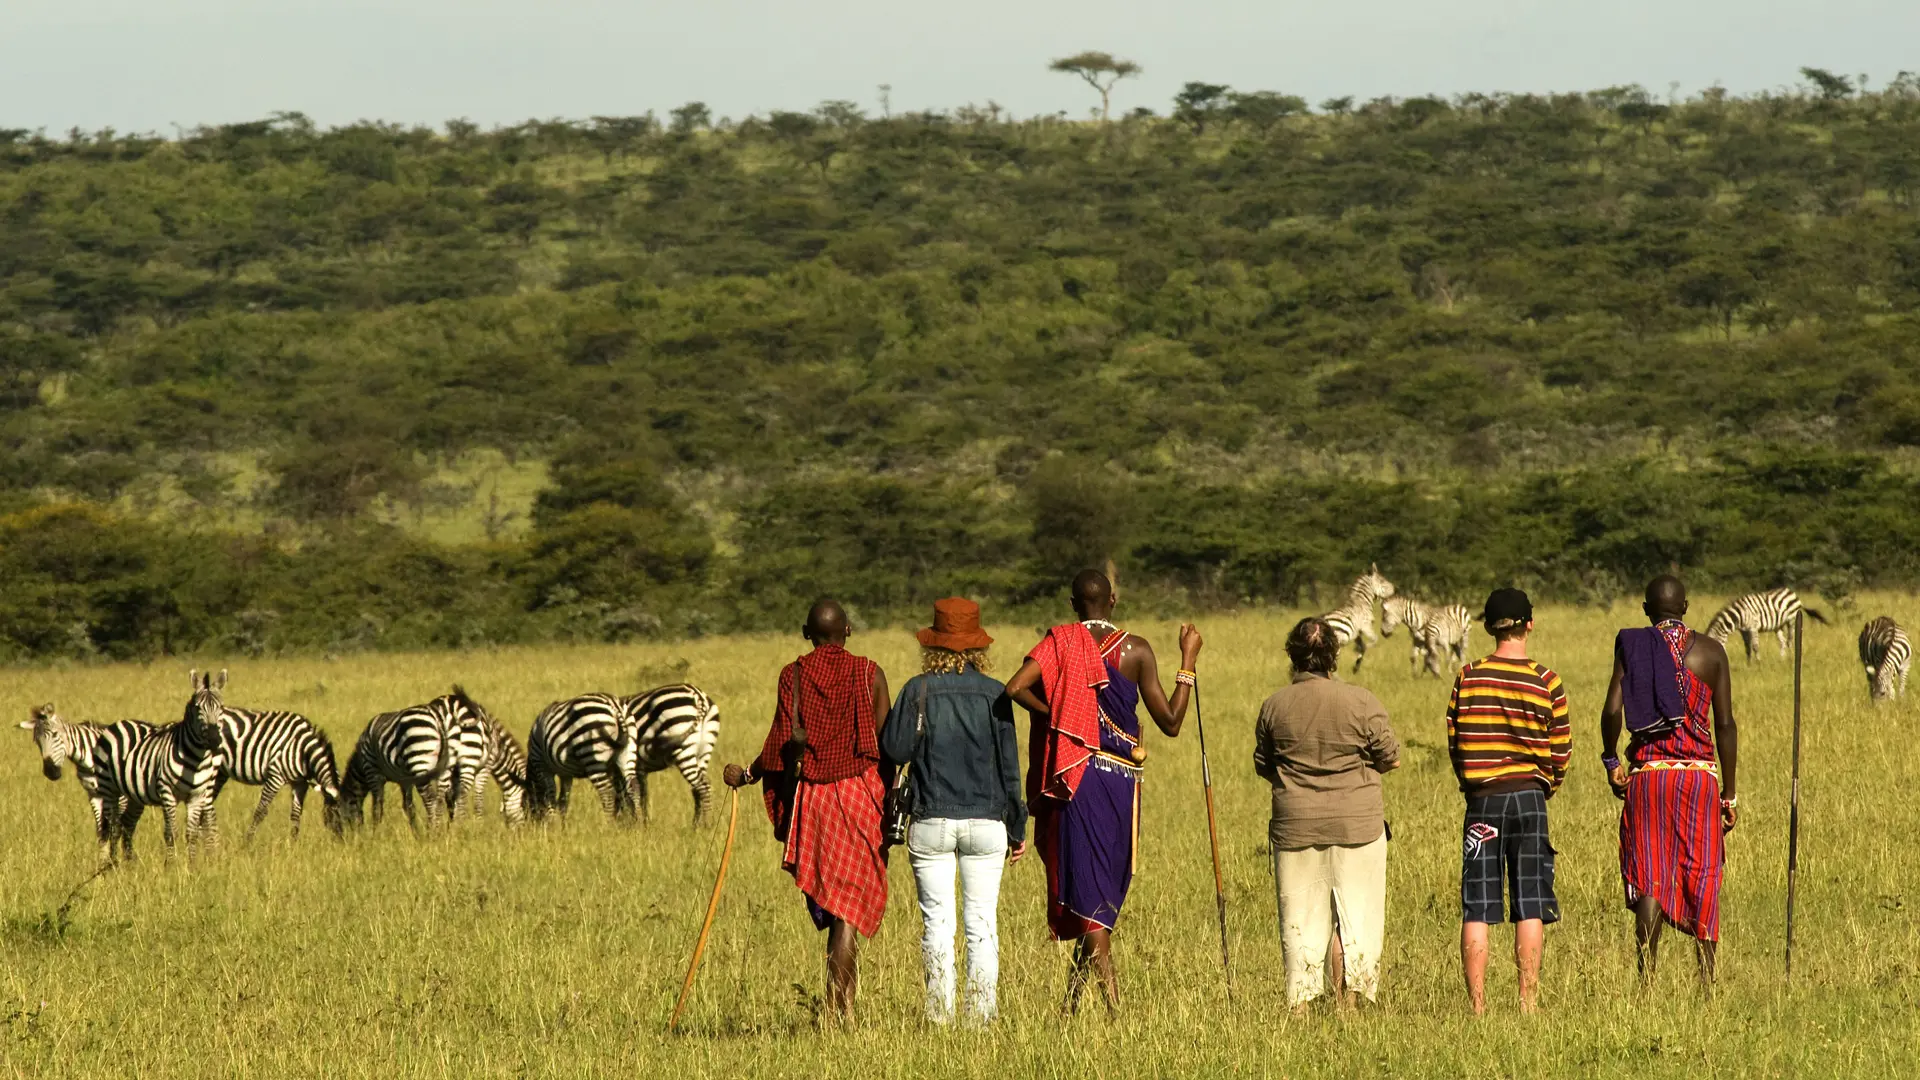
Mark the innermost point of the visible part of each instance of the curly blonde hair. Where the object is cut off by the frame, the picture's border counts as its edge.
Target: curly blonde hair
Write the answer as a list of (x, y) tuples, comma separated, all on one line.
[(938, 661)]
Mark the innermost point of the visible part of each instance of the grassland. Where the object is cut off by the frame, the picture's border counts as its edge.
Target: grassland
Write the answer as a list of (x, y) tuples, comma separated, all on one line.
[(557, 951)]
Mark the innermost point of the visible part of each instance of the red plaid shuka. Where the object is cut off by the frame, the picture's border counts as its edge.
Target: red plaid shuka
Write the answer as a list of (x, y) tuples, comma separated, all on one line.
[(833, 848), (836, 707), (1671, 845), (1072, 671)]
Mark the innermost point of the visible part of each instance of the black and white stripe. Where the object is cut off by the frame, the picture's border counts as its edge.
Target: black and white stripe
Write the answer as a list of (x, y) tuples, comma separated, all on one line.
[(578, 738), (1758, 613), (676, 726), (413, 748), (167, 767), (61, 743), (271, 750), (1439, 633), (484, 748), (1353, 623), (1886, 653)]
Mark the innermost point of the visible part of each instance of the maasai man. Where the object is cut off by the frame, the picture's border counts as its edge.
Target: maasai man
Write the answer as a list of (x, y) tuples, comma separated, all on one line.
[(825, 793), (1081, 685), (1678, 779)]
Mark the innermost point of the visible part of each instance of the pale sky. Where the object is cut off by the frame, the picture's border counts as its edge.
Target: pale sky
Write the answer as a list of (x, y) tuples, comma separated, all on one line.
[(149, 64)]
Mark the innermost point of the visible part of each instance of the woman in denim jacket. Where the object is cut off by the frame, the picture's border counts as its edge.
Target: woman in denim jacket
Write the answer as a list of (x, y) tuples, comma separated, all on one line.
[(968, 814)]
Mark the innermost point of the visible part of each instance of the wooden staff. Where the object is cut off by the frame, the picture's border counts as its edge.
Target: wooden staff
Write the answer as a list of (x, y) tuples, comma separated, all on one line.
[(1213, 839), (1793, 811), (713, 905)]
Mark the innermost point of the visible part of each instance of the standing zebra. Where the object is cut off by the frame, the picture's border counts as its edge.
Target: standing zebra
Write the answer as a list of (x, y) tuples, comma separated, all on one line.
[(414, 748), (1439, 633), (1885, 653), (674, 725), (1758, 613), (580, 737), (168, 766), (61, 742), (272, 750), (1354, 622), (484, 748)]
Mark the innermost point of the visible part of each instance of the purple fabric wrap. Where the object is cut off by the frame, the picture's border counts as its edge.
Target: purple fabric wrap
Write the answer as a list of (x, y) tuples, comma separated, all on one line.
[(1094, 833), (1650, 689)]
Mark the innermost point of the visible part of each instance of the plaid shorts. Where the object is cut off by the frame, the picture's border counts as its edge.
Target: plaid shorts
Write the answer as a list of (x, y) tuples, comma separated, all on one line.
[(1505, 837)]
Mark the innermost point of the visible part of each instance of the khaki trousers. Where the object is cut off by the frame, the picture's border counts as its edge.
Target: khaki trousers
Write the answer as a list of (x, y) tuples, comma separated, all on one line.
[(1311, 886)]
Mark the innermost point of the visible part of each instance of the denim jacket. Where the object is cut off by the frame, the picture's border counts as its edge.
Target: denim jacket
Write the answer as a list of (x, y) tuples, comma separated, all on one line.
[(967, 764)]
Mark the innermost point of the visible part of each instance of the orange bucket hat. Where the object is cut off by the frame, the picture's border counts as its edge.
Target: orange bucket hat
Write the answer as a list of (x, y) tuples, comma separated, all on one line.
[(956, 626)]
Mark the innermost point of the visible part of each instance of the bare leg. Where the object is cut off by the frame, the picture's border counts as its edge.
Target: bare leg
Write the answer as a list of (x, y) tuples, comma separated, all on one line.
[(1647, 922), (1529, 942), (1473, 962), (1093, 959), (843, 968), (1337, 963), (1703, 951)]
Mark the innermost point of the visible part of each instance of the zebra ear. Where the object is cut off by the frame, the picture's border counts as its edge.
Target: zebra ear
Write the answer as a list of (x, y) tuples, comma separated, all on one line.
[(222, 683), (27, 724), (193, 678)]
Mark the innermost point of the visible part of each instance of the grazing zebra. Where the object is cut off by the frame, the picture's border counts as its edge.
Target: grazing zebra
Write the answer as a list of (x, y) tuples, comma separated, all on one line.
[(579, 738), (484, 748), (1885, 652), (272, 750), (61, 742), (414, 748), (168, 766), (1757, 613), (674, 725), (1439, 633), (1354, 622)]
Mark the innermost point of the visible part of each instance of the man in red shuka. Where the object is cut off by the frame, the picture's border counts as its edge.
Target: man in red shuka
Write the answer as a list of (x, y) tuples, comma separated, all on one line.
[(825, 793)]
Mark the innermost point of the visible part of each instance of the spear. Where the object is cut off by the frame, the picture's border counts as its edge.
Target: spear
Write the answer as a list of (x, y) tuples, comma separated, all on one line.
[(713, 905), (1213, 839), (1793, 812)]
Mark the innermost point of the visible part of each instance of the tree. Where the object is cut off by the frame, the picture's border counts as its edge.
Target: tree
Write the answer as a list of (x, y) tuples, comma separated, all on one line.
[(1101, 71), (1197, 103), (1832, 87)]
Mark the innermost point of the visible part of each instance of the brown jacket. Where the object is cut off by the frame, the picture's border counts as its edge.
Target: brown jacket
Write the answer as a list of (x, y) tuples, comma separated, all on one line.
[(1323, 744)]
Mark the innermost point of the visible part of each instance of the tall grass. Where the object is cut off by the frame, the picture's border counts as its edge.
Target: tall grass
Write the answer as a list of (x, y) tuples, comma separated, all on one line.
[(558, 950)]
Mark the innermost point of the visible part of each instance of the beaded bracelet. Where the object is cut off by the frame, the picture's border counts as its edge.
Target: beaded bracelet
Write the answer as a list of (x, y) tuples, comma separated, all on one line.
[(1609, 762), (1187, 678)]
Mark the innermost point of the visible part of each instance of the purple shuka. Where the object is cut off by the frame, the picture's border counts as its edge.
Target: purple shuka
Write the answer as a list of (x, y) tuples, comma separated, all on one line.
[(1088, 843), (1650, 688)]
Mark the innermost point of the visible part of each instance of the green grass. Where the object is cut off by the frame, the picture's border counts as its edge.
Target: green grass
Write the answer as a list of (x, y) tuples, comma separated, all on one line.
[(558, 951)]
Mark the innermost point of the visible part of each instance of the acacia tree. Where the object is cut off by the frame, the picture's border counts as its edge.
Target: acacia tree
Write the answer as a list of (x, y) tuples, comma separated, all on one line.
[(1101, 71)]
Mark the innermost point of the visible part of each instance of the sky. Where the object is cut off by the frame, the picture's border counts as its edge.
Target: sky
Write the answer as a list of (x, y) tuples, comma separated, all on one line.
[(148, 65)]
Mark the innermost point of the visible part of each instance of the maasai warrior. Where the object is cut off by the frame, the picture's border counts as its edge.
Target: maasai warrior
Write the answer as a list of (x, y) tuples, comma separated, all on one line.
[(1678, 779), (1081, 685), (824, 791)]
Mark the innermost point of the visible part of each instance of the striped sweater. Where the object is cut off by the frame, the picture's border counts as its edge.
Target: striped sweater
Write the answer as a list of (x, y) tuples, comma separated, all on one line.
[(1507, 727)]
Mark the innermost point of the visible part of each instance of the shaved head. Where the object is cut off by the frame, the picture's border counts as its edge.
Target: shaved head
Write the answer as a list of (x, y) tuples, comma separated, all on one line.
[(826, 621), (1092, 595), (1666, 598)]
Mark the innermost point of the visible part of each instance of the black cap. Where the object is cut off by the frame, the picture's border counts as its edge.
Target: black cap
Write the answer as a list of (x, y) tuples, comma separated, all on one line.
[(1507, 608)]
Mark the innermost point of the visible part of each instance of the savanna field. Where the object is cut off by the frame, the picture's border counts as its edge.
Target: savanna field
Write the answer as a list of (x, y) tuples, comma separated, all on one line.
[(558, 950)]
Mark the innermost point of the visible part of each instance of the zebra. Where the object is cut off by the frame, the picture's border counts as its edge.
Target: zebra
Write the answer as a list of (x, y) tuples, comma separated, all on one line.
[(1757, 613), (1439, 633), (674, 725), (414, 748), (61, 742), (484, 748), (1354, 622), (582, 737), (1885, 652), (168, 766), (271, 750)]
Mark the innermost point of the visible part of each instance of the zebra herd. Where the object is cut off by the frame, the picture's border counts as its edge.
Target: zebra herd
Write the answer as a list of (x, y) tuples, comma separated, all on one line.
[(446, 751)]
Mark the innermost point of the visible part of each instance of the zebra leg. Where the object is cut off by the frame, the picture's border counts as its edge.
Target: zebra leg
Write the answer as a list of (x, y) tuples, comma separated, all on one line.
[(1780, 635), (102, 825), (564, 792), (201, 826), (642, 803), (297, 792), (130, 812), (168, 820), (379, 793), (1751, 640), (406, 803), (267, 791), (696, 774), (612, 796)]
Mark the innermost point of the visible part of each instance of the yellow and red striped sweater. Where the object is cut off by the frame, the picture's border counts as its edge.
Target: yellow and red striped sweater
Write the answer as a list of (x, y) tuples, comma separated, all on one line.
[(1507, 727)]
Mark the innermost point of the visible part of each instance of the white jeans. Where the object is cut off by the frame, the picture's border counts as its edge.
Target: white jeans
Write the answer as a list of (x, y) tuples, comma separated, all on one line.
[(1312, 883), (979, 847)]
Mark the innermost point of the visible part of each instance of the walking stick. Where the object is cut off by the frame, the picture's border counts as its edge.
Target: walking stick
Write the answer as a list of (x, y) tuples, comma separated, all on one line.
[(1213, 839), (1793, 812), (713, 905)]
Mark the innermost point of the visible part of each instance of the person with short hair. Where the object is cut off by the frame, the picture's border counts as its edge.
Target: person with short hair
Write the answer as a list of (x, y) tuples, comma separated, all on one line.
[(825, 794), (1678, 779), (1323, 745), (1510, 739), (952, 726)]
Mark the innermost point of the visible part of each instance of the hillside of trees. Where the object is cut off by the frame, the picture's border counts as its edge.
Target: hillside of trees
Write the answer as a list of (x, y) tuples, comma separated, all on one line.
[(1244, 348)]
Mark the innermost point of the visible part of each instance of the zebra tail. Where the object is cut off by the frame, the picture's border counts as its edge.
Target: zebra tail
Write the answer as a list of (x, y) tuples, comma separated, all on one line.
[(1814, 614)]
